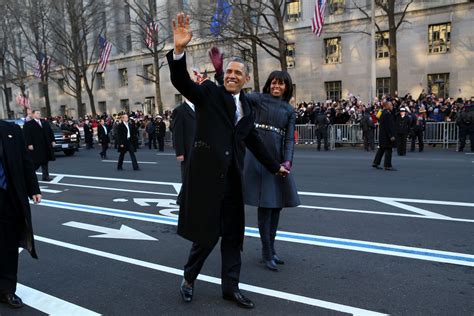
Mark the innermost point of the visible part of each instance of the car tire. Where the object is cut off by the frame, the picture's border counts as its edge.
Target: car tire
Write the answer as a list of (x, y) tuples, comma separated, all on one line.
[(69, 152)]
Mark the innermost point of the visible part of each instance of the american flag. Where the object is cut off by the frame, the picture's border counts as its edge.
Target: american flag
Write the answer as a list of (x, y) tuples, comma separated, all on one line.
[(23, 100), (104, 52), (317, 21), (42, 65), (150, 30)]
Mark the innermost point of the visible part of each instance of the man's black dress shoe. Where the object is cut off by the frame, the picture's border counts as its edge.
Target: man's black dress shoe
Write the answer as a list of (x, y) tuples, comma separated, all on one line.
[(376, 166), (137, 169), (11, 300), (240, 299), (47, 178), (186, 292), (277, 260), (390, 169), (120, 168), (271, 265)]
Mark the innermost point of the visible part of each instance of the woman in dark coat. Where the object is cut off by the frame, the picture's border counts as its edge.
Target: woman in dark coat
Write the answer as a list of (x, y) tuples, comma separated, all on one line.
[(275, 122)]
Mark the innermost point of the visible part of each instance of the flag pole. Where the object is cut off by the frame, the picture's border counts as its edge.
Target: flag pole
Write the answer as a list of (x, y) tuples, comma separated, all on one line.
[(372, 54)]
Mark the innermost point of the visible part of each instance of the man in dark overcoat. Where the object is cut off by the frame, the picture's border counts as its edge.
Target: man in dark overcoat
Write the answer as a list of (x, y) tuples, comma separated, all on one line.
[(17, 182), (183, 125), (160, 133), (126, 134), (88, 135), (103, 137), (212, 204), (387, 132), (40, 141), (403, 123)]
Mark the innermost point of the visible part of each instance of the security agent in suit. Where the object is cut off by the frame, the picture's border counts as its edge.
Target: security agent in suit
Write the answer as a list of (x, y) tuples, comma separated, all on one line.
[(17, 182), (103, 136), (368, 128), (212, 204), (387, 131), (183, 125), (160, 133), (322, 124), (126, 134), (40, 141)]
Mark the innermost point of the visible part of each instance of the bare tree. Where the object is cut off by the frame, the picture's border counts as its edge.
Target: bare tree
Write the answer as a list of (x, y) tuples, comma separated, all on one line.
[(32, 18), (75, 25), (13, 59), (390, 15), (149, 26)]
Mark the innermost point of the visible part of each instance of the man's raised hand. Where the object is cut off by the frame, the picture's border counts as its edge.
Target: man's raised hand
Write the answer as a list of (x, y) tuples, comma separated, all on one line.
[(181, 33)]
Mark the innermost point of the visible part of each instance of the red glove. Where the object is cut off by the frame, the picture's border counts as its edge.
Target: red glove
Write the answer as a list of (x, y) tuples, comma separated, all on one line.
[(217, 60)]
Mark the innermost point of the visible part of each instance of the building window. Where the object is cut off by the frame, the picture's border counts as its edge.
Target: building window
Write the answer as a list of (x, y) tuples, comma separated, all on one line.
[(439, 38), (438, 84), (126, 11), (100, 80), (333, 90), (129, 43), (149, 105), (293, 10), (9, 95), (40, 90), (62, 110), (247, 55), (123, 74), (337, 6), (148, 73), (290, 55), (103, 18), (125, 105), (382, 40), (61, 86), (184, 5), (383, 87), (333, 50), (178, 98), (102, 107)]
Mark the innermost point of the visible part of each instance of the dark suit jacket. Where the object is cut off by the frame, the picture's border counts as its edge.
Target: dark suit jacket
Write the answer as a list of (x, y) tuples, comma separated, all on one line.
[(88, 133), (218, 145), (41, 138), (21, 178), (103, 138), (183, 125), (122, 137), (387, 129)]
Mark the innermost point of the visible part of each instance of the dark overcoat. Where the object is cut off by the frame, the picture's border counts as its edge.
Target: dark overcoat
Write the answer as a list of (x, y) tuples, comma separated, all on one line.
[(21, 179), (102, 136), (88, 133), (218, 145), (41, 137), (183, 126), (387, 129), (122, 138), (262, 188)]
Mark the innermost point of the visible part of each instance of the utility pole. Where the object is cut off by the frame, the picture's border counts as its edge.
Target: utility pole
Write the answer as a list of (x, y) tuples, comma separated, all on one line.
[(372, 54)]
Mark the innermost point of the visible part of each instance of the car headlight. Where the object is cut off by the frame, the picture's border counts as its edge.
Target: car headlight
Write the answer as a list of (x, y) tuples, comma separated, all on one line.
[(73, 136)]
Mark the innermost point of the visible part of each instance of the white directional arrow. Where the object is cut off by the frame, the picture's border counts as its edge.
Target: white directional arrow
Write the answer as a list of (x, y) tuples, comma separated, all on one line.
[(124, 232), (159, 202)]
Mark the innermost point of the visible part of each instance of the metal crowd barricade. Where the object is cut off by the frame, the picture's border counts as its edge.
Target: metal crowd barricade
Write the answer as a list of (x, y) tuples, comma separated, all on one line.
[(305, 134), (444, 133)]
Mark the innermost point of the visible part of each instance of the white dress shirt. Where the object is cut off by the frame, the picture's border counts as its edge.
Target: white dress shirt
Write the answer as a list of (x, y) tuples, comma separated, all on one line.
[(128, 130), (190, 104)]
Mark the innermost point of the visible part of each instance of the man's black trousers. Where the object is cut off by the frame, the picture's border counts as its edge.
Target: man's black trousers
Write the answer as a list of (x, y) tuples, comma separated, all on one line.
[(230, 241)]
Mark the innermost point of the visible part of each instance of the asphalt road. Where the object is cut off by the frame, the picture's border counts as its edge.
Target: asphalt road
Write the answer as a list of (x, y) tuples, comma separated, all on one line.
[(363, 241)]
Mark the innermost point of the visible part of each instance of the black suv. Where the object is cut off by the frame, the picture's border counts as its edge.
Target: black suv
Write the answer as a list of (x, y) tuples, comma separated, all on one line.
[(66, 141)]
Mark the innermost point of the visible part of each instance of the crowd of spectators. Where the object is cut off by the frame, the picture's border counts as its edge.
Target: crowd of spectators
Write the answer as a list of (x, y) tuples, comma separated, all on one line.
[(351, 111)]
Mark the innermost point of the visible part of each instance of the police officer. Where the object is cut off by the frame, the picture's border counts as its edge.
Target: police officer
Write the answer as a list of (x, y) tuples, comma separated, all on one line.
[(88, 133), (403, 128), (418, 125), (367, 125), (322, 123), (465, 121)]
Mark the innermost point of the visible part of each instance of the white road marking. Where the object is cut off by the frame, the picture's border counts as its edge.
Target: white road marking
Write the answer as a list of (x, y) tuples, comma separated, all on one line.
[(317, 240), (410, 208), (56, 179), (49, 304), (128, 161), (158, 202), (124, 232), (162, 154), (46, 190), (247, 287), (335, 209), (114, 189), (346, 196), (120, 200)]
